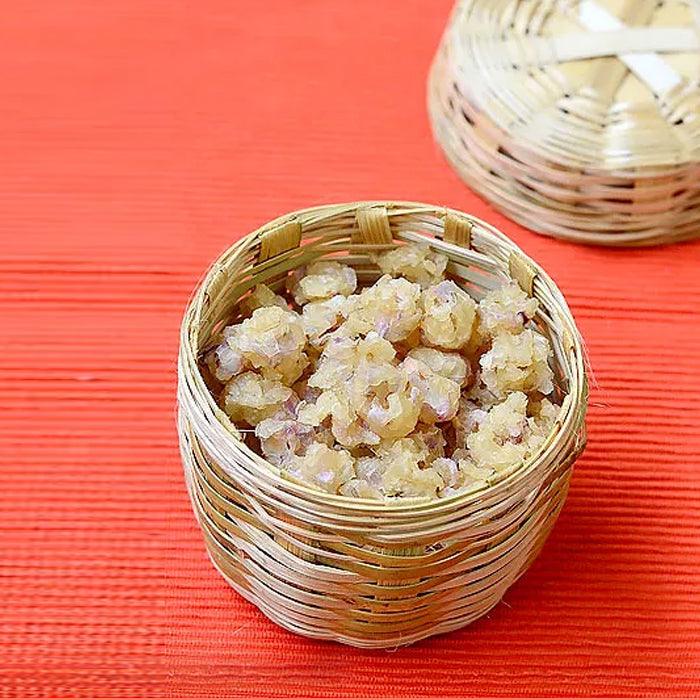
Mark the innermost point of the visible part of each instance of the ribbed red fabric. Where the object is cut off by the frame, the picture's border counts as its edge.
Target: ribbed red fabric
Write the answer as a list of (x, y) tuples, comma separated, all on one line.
[(137, 140)]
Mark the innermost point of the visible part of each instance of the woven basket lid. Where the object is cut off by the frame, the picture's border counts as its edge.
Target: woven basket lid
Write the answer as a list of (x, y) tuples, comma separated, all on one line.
[(579, 118)]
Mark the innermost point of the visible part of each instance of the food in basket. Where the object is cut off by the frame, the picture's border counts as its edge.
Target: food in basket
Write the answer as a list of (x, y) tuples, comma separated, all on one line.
[(405, 388)]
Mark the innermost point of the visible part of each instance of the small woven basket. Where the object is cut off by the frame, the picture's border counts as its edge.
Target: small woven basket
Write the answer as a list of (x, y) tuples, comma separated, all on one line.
[(363, 572), (578, 118)]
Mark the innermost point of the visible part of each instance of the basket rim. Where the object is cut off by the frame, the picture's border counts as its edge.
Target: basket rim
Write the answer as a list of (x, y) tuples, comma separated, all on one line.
[(572, 410)]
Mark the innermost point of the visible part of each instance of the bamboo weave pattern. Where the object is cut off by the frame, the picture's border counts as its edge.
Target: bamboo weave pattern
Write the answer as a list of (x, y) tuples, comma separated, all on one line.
[(578, 118)]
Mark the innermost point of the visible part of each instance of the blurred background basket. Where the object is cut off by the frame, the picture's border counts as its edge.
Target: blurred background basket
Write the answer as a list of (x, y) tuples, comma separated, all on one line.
[(578, 118), (362, 572)]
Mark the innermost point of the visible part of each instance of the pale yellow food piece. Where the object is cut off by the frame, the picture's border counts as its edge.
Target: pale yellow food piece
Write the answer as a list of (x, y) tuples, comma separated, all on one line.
[(544, 414), (448, 471), (348, 428), (283, 438), (370, 469), (405, 466), (425, 445), (366, 423), (250, 398), (336, 363), (506, 309), (382, 396), (417, 263), (402, 447), (506, 436), (359, 488), (322, 279), (305, 392), (438, 396), (225, 360), (473, 406), (320, 318), (373, 348), (448, 316), (460, 476), (447, 364), (259, 298), (391, 308), (518, 363), (397, 472), (272, 341), (402, 476), (469, 416), (343, 354), (322, 467)]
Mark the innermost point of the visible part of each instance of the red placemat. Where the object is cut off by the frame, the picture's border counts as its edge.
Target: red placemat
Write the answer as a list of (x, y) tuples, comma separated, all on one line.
[(138, 139)]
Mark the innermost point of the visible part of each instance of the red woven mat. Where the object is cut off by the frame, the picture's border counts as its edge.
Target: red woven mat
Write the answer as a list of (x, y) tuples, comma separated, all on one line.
[(137, 140)]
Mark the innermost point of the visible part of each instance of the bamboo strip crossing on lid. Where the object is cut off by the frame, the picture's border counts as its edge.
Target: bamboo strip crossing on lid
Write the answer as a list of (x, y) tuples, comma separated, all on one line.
[(365, 572), (578, 118)]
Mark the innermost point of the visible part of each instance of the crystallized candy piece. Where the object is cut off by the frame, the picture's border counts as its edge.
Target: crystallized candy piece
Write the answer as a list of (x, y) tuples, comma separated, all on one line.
[(336, 364), (343, 354), (321, 317), (260, 297), (322, 279), (374, 348), (544, 415), (469, 417), (461, 476), (305, 392), (325, 468), (402, 476), (391, 307), (506, 436), (417, 263), (473, 475), (448, 316), (406, 446), (283, 438), (226, 360), (272, 340), (439, 396), (359, 488), (348, 428), (447, 364), (426, 445), (251, 398), (431, 441), (402, 467), (517, 363), (506, 309), (397, 472), (383, 398), (289, 370), (500, 439)]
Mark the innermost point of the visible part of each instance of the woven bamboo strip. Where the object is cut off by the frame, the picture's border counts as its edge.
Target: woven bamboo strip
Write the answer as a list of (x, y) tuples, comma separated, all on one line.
[(578, 118)]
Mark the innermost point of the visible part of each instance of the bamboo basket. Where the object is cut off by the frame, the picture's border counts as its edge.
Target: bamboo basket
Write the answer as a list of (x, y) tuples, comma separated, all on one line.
[(362, 572), (577, 118)]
